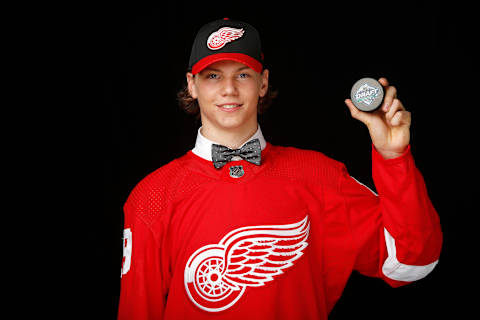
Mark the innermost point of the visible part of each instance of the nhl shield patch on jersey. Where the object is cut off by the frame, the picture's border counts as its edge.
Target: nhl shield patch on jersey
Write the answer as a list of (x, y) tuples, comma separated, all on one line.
[(236, 171), (217, 275)]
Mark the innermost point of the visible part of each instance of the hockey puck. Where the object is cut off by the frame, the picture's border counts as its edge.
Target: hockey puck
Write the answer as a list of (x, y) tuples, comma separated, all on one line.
[(367, 94)]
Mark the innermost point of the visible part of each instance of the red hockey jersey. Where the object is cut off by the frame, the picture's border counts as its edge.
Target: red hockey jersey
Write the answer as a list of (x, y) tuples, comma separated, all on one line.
[(275, 241)]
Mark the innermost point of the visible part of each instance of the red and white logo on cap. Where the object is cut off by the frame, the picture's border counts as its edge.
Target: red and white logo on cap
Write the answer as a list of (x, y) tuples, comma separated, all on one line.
[(220, 38)]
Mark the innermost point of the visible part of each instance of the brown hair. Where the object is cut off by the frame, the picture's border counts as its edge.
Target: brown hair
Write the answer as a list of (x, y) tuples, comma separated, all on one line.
[(190, 105)]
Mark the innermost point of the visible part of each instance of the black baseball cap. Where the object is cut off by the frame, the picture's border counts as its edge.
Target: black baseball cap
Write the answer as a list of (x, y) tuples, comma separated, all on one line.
[(226, 39)]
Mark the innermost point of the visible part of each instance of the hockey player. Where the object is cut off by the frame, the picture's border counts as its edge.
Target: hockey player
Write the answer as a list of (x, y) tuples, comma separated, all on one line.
[(238, 228)]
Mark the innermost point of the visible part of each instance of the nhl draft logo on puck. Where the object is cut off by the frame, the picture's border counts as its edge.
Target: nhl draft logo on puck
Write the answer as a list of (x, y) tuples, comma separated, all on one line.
[(367, 94), (217, 275), (220, 38)]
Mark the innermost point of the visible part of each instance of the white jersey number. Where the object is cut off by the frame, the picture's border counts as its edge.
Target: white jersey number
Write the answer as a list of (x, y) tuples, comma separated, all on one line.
[(127, 250)]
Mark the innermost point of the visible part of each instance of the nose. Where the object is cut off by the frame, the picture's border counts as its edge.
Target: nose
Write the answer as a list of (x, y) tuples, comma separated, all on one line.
[(229, 87)]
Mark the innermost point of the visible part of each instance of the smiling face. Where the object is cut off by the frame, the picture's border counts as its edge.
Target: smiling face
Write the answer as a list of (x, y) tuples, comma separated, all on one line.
[(227, 93)]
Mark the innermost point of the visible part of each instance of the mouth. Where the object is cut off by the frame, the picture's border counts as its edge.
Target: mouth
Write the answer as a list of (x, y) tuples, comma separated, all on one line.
[(229, 107)]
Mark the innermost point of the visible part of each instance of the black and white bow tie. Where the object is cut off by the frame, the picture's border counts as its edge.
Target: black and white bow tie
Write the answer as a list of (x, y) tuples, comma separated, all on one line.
[(250, 151)]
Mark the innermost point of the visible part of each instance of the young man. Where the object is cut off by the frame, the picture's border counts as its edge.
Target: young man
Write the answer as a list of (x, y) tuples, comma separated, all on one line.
[(239, 228)]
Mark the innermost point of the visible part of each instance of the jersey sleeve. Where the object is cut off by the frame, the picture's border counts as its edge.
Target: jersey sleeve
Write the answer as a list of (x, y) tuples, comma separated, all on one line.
[(396, 232), (144, 276)]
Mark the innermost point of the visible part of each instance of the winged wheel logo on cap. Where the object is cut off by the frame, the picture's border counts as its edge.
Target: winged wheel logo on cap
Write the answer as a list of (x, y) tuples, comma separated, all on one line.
[(220, 38)]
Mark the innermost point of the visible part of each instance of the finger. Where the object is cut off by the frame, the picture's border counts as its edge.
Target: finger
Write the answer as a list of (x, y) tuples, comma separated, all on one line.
[(383, 81), (391, 91), (394, 108), (396, 105), (390, 95), (357, 114), (401, 118)]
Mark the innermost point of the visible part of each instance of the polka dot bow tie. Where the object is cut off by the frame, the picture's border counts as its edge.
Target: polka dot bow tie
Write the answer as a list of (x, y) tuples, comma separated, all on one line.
[(250, 151)]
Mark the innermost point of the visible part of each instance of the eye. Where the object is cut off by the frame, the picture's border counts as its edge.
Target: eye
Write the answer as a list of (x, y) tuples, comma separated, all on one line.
[(212, 76), (244, 75)]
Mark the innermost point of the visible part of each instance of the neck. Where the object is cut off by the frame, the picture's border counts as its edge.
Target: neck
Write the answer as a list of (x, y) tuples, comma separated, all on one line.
[(231, 138)]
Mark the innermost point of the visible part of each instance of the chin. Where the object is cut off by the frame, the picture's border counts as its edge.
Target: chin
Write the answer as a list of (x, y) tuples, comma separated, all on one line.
[(231, 123)]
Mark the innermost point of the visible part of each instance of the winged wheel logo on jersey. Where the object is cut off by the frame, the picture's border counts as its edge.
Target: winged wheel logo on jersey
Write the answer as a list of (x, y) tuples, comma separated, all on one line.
[(220, 38), (217, 275)]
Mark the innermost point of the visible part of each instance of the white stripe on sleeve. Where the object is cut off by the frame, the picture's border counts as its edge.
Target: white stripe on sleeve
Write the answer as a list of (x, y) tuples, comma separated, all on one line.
[(394, 269)]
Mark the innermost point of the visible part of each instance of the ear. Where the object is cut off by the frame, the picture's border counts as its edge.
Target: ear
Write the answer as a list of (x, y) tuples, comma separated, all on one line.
[(192, 89), (264, 83)]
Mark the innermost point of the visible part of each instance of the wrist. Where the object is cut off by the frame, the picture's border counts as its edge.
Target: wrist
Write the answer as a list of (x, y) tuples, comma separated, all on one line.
[(389, 154)]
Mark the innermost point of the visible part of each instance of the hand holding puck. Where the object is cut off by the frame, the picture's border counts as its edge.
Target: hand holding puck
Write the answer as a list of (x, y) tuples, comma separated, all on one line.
[(390, 128)]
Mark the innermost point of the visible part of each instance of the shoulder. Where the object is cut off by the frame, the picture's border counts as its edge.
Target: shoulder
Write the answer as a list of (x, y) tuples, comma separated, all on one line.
[(309, 165), (161, 178), (154, 192), (311, 157)]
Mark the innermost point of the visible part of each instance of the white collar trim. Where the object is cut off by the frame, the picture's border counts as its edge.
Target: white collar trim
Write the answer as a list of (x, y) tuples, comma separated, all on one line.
[(203, 146)]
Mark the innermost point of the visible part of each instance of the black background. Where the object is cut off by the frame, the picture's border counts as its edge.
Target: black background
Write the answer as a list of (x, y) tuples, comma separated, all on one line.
[(314, 53)]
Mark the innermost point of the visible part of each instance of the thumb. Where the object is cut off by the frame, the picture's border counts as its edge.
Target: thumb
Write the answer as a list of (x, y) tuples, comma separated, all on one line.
[(357, 114)]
